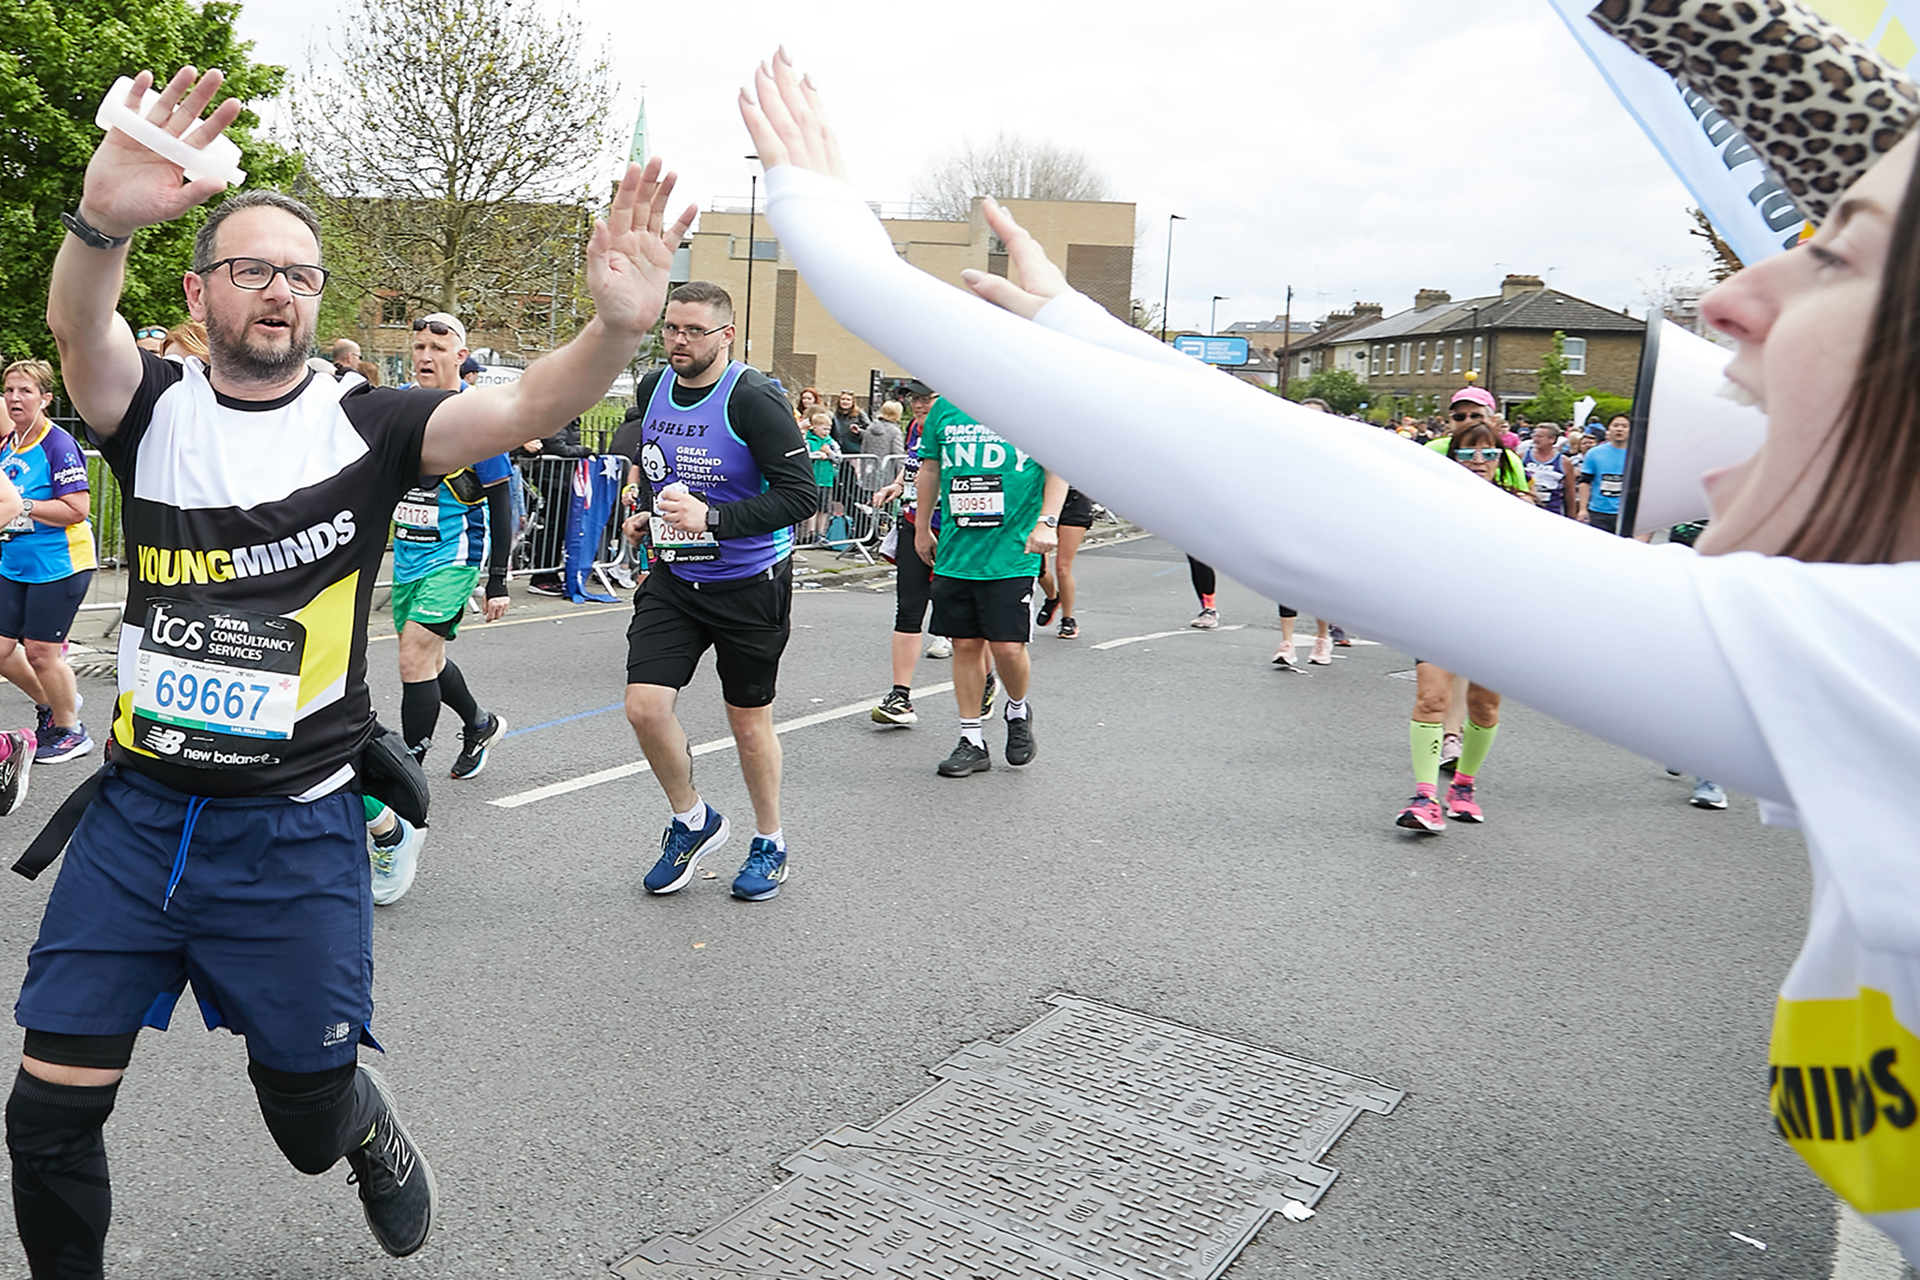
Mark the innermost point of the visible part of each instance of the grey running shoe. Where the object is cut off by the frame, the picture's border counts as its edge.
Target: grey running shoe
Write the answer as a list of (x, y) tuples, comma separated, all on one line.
[(395, 1181), (966, 759)]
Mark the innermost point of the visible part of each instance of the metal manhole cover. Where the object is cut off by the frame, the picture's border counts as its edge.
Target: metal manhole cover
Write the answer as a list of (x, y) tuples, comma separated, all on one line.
[(1095, 1142)]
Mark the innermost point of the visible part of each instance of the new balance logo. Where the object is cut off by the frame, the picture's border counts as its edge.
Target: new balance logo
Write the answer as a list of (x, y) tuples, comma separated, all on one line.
[(165, 741)]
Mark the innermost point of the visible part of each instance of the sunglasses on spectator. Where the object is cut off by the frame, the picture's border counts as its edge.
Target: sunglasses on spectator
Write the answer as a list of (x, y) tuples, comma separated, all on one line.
[(1479, 455), (1471, 413), (255, 274), (151, 331), (438, 328)]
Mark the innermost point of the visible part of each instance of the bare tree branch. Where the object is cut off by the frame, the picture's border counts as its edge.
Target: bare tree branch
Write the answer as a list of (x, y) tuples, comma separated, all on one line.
[(1008, 168), (455, 146)]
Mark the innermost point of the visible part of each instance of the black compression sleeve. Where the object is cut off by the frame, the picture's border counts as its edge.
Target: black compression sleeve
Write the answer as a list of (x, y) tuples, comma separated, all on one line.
[(767, 426), (499, 529)]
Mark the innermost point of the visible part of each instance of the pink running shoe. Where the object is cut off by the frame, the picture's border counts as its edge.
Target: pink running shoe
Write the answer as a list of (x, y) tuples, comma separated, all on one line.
[(1322, 655), (1422, 814), (1460, 805)]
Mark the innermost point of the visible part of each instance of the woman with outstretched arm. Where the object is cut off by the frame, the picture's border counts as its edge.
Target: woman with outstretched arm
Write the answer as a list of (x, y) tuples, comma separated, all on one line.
[(1822, 524)]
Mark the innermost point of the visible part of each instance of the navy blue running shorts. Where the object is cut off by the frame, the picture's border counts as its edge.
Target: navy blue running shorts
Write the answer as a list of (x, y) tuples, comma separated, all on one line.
[(272, 922), (42, 610)]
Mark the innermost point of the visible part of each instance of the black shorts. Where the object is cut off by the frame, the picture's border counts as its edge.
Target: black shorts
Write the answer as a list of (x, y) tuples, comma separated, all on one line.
[(1078, 511), (1605, 521), (42, 610), (912, 584), (983, 609), (746, 623)]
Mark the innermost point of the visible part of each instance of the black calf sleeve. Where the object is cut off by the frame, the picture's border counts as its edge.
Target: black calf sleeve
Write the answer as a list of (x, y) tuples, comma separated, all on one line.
[(453, 692), (315, 1116), (419, 711), (62, 1201)]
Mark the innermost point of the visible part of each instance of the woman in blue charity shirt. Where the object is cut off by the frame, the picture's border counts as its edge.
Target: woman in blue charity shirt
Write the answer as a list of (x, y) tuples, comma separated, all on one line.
[(47, 560)]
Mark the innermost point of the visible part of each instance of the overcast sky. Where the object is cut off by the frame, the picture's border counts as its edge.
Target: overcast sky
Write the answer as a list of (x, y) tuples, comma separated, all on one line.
[(1354, 149)]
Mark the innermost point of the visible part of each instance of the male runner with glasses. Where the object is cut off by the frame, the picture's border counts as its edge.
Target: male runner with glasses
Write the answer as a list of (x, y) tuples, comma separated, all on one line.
[(226, 842), (444, 529), (723, 475)]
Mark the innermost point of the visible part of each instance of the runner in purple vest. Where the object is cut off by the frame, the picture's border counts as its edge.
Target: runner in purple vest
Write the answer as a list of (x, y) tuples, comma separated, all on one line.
[(1551, 471), (724, 475)]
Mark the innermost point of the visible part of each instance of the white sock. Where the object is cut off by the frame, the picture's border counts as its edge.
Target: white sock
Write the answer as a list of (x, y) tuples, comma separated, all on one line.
[(694, 818), (970, 730), (778, 839), (1016, 708)]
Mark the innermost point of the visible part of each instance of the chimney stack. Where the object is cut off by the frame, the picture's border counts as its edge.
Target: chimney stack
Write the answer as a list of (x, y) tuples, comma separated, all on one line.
[(1513, 286)]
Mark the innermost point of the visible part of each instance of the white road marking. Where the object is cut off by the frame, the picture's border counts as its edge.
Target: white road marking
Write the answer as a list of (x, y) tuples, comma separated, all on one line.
[(618, 772), (1161, 635), (1861, 1251)]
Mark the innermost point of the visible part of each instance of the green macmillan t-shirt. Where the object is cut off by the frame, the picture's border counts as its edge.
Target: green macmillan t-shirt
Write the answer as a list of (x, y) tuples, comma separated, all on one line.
[(990, 493)]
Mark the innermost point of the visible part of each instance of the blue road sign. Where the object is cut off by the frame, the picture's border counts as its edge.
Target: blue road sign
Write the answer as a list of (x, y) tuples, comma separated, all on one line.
[(1228, 351)]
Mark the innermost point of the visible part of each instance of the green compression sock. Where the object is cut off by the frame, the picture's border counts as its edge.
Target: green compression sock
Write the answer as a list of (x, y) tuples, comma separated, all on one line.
[(1475, 742), (374, 807), (1425, 739)]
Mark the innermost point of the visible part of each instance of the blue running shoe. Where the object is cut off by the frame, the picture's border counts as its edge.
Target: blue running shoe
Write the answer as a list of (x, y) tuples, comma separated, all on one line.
[(765, 871), (1708, 795), (681, 850)]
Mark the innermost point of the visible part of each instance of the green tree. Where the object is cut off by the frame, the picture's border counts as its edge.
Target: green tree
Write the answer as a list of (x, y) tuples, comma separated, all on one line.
[(58, 62), (454, 147), (1343, 392), (1553, 399)]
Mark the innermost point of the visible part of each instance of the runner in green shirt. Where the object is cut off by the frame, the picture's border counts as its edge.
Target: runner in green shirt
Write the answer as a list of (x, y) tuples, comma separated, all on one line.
[(1001, 509)]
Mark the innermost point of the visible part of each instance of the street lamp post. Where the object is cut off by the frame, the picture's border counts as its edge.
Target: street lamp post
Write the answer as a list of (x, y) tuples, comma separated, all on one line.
[(753, 202), (1286, 342), (1213, 313), (1166, 286)]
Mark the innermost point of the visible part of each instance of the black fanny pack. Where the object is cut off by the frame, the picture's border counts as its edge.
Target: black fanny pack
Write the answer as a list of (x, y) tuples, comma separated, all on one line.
[(390, 774)]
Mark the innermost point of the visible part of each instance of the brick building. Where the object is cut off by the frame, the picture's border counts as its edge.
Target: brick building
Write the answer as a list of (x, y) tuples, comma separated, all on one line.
[(1424, 353), (794, 338)]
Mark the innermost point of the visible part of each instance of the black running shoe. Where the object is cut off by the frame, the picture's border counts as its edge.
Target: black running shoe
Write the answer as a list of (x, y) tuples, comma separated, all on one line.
[(966, 759), (474, 741), (395, 1181), (1047, 607), (1020, 748)]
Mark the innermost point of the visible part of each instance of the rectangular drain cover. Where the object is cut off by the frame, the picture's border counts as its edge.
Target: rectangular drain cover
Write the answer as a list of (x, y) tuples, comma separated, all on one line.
[(1093, 1143)]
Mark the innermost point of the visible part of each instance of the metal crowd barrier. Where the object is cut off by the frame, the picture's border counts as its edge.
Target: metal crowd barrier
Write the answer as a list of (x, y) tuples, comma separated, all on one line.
[(846, 519)]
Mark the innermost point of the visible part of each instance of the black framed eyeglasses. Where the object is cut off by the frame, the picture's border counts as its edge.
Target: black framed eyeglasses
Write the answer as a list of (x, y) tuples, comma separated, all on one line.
[(671, 331), (255, 274)]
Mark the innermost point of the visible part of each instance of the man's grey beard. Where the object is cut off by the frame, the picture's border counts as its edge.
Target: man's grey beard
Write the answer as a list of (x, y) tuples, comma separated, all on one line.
[(232, 357)]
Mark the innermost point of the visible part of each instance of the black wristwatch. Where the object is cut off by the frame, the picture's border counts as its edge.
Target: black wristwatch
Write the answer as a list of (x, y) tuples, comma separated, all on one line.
[(713, 521), (90, 235)]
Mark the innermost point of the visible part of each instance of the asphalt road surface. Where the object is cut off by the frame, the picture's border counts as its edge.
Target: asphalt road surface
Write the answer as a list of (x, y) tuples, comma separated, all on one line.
[(1576, 995)]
